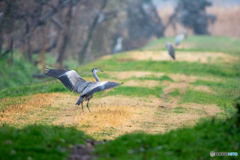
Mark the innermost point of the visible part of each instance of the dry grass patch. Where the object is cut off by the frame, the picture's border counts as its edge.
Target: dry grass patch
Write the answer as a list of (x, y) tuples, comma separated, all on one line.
[(130, 74), (160, 116), (202, 89), (17, 109), (203, 57), (191, 113), (145, 83), (100, 118), (188, 79), (110, 116), (143, 74), (106, 57), (183, 78), (182, 86)]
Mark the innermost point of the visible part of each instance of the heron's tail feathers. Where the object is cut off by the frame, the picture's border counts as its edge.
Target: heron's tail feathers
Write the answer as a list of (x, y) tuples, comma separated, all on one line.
[(79, 101)]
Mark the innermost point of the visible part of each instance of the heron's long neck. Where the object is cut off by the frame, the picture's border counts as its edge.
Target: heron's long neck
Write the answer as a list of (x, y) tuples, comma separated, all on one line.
[(95, 76)]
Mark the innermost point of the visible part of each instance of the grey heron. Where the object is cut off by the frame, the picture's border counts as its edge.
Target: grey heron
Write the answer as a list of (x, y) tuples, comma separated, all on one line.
[(74, 82), (101, 16), (170, 49), (184, 31), (118, 46), (179, 39)]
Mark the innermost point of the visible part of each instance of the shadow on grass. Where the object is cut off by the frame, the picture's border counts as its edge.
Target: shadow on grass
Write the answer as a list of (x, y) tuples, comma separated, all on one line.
[(38, 142)]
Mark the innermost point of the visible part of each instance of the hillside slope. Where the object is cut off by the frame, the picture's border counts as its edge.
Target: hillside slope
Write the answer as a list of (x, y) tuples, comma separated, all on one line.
[(158, 94)]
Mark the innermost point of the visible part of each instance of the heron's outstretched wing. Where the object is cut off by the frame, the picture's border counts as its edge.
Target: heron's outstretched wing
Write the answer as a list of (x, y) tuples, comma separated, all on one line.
[(55, 73), (99, 86), (70, 78)]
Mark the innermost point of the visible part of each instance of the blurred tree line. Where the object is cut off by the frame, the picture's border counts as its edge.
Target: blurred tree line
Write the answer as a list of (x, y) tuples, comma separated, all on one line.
[(192, 14), (87, 29)]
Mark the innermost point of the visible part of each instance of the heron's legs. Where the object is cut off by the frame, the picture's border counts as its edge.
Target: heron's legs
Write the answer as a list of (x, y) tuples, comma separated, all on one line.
[(82, 105), (87, 106)]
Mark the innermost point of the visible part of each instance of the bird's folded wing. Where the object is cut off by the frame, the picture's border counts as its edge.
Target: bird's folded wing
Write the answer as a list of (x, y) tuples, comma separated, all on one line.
[(100, 86), (70, 78)]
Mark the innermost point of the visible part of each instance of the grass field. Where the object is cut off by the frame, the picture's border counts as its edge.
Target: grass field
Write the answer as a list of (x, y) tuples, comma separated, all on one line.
[(164, 108)]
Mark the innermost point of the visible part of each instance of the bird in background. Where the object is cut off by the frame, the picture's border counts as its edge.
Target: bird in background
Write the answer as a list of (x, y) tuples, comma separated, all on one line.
[(171, 50), (74, 82), (184, 31), (118, 46), (179, 38), (101, 16)]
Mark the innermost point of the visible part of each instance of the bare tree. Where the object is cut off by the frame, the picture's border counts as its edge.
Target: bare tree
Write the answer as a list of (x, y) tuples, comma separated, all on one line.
[(32, 16), (93, 26), (66, 33), (85, 29)]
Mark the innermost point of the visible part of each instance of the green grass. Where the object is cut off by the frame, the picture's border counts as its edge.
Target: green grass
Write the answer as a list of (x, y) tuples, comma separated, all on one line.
[(105, 132), (179, 110), (166, 78), (185, 143), (58, 87), (224, 101), (53, 142), (38, 142), (33, 89), (229, 86), (174, 93), (152, 77), (188, 68), (201, 44), (132, 92), (17, 73)]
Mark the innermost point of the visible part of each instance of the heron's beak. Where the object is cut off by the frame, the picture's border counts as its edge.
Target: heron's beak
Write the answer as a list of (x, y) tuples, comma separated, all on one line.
[(100, 70)]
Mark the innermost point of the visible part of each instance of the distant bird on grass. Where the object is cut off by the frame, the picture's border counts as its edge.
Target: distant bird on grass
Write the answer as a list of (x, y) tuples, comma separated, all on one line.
[(74, 82), (179, 38), (118, 46), (184, 31), (171, 50)]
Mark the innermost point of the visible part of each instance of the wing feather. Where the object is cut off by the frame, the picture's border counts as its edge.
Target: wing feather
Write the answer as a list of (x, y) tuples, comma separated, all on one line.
[(84, 88), (55, 73), (100, 86), (70, 78)]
